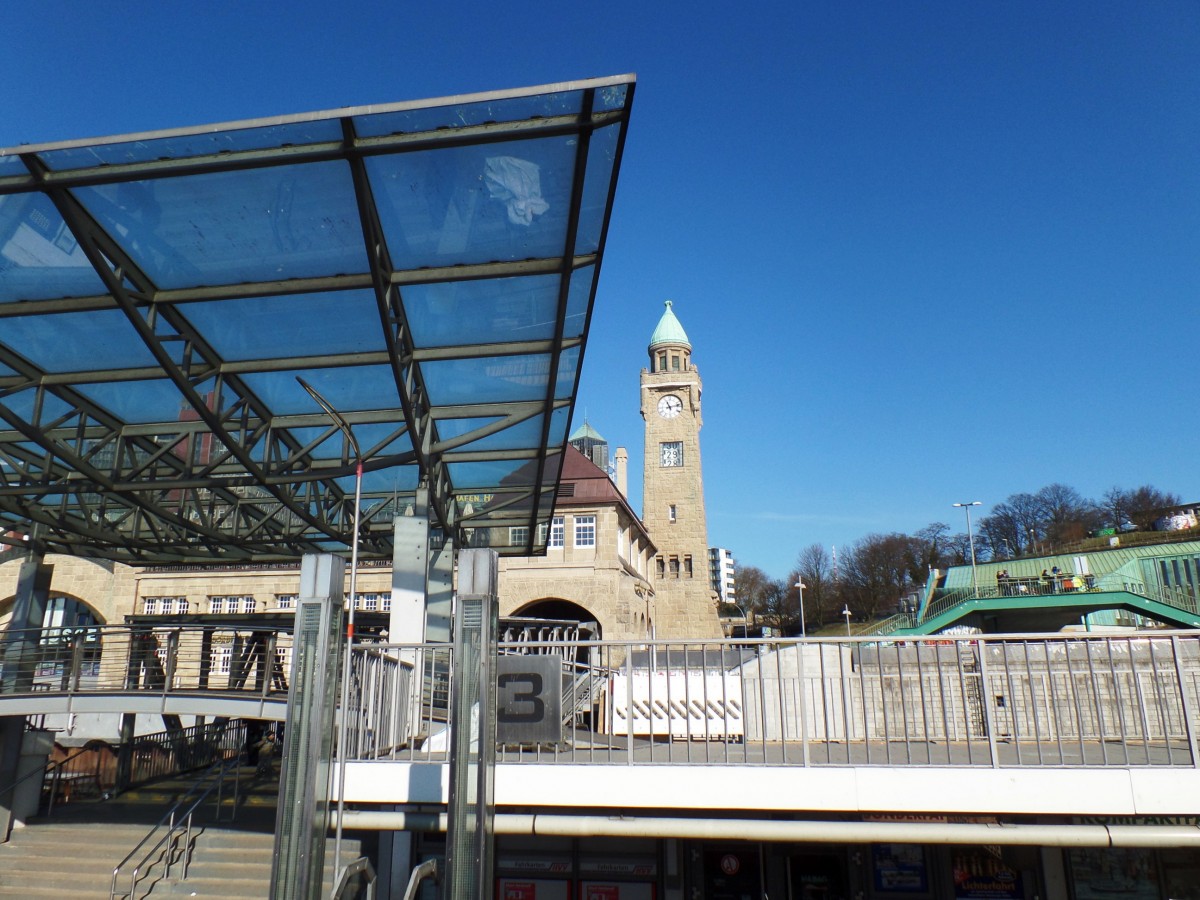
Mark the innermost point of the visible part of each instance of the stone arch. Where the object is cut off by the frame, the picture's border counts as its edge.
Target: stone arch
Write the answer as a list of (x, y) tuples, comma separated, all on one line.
[(564, 610), (63, 610)]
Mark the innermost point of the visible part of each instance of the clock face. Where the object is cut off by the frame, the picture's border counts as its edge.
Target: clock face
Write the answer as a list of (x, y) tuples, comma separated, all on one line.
[(670, 406), (671, 454)]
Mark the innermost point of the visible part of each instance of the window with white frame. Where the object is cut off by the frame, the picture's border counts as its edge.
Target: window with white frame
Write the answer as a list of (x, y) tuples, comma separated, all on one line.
[(249, 605), (168, 605), (556, 532), (370, 602), (518, 535), (385, 602), (150, 606), (182, 606), (222, 659), (216, 605), (585, 531), (286, 601), (543, 528)]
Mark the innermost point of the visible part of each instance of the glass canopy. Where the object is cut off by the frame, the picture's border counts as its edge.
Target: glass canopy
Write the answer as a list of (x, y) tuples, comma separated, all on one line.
[(428, 267)]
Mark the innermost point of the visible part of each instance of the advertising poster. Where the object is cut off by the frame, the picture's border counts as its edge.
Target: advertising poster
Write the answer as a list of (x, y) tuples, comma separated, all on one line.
[(979, 875), (1114, 873), (900, 869), (532, 889)]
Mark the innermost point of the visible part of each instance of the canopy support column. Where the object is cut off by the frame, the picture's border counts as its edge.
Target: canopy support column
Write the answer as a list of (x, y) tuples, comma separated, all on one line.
[(302, 820), (20, 652)]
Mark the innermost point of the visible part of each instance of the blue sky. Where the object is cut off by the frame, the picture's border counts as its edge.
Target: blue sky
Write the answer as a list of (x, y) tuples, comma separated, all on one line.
[(925, 251)]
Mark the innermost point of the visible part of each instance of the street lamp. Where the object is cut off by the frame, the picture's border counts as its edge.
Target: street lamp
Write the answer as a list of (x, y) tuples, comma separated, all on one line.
[(340, 421), (800, 586), (846, 612), (971, 540)]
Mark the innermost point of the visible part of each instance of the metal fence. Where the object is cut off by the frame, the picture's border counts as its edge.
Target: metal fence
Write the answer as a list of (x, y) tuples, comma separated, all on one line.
[(976, 701), (1041, 700), (157, 659)]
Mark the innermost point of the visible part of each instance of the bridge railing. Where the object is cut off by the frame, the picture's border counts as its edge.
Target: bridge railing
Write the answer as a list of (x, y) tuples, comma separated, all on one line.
[(142, 658), (1037, 700)]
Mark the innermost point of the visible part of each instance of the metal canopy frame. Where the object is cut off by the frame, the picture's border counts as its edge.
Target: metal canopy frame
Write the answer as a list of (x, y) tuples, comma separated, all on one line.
[(430, 266)]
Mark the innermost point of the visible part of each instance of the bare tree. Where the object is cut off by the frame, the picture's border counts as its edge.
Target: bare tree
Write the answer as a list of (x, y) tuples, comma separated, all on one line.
[(814, 568), (875, 574)]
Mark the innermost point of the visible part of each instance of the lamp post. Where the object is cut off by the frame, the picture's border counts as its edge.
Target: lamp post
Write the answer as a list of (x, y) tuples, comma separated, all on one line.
[(846, 612), (340, 421), (971, 541), (800, 586)]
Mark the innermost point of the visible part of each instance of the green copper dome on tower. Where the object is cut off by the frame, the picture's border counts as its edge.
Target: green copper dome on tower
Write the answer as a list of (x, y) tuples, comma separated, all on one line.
[(669, 331)]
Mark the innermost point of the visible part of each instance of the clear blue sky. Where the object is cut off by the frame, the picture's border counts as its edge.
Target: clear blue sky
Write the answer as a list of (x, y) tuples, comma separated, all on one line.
[(925, 251)]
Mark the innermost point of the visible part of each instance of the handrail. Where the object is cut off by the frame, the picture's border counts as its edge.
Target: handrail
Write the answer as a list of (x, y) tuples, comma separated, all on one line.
[(355, 867), (427, 869), (216, 775), (44, 771)]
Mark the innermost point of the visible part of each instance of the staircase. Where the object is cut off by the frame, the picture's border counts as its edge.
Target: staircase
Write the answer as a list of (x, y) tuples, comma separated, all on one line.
[(73, 855)]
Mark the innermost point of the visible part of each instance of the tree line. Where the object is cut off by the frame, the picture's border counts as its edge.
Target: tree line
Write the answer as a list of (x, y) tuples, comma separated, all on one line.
[(881, 573)]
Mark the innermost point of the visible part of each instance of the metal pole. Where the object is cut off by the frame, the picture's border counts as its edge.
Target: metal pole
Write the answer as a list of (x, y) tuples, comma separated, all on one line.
[(971, 540), (800, 587), (846, 612), (343, 727)]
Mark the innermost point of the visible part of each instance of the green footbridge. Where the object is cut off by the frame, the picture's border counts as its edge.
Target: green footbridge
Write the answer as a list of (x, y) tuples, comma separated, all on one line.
[(1142, 587)]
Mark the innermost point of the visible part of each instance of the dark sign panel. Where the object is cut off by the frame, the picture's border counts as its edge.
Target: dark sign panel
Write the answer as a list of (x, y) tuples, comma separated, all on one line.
[(529, 699)]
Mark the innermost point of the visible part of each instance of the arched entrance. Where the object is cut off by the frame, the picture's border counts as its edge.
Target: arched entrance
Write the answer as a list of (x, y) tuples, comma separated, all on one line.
[(62, 611), (556, 611)]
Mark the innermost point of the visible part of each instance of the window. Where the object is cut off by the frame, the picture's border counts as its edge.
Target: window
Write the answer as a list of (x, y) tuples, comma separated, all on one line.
[(670, 454), (543, 529), (518, 535), (222, 658), (385, 602), (216, 605), (168, 605), (182, 606), (671, 513), (249, 605), (556, 532), (662, 362), (585, 531), (150, 606), (660, 566), (674, 566), (286, 601), (687, 567), (674, 362), (370, 602)]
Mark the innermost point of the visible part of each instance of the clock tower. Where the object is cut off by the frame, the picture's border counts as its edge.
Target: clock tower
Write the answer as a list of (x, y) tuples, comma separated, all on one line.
[(673, 487)]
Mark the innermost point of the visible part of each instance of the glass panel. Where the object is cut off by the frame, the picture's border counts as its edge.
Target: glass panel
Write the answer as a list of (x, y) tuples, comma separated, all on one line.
[(140, 401), (39, 257), (487, 380), (470, 312), (478, 475), (78, 342), (353, 388), (185, 146), (568, 367), (559, 419), (602, 159), (515, 109), (577, 301), (12, 165), (463, 205), (612, 97), (229, 227), (526, 434), (22, 404), (292, 325)]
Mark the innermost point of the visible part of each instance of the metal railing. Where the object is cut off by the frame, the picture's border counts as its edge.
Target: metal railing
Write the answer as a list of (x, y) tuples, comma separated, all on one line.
[(1035, 700), (94, 771), (174, 846), (1061, 585), (146, 659), (357, 880)]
